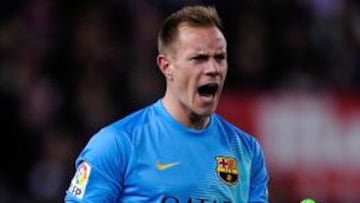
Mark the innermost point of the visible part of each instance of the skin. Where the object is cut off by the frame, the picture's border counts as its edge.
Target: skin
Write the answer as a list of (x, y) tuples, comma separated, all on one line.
[(196, 57)]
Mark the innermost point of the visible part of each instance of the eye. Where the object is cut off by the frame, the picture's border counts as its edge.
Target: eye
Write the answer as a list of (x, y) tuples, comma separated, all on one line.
[(220, 57), (199, 58)]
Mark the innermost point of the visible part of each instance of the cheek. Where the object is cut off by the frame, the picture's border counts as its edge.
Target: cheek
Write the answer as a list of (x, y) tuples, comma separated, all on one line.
[(224, 71), (179, 82), (185, 82)]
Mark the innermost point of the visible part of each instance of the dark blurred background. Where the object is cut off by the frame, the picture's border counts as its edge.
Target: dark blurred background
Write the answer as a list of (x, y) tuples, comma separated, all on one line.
[(67, 68)]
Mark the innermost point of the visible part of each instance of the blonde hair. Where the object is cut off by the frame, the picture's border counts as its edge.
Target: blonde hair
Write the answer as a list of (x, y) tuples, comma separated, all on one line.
[(195, 16)]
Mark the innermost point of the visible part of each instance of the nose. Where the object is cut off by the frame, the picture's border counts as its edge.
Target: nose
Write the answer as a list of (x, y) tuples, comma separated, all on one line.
[(213, 67)]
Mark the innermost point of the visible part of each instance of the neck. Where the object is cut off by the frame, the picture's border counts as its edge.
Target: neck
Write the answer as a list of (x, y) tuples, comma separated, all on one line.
[(198, 122), (183, 114)]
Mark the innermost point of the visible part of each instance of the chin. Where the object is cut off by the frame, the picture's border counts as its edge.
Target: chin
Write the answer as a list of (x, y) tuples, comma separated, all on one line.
[(205, 112), (204, 109)]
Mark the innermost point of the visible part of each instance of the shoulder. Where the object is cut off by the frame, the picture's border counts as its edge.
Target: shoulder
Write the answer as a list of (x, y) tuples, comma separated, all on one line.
[(124, 129), (113, 144), (237, 134), (130, 125)]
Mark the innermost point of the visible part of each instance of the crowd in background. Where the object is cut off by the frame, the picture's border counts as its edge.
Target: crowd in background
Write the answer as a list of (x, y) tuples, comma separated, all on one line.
[(68, 68)]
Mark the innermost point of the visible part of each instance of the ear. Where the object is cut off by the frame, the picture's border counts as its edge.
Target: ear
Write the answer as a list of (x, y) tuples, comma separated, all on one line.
[(164, 65)]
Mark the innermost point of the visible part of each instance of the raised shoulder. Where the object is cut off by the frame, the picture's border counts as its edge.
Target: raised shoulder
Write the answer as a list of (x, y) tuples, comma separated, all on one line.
[(237, 134)]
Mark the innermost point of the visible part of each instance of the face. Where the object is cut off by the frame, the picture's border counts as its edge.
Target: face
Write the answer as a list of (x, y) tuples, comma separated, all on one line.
[(197, 68)]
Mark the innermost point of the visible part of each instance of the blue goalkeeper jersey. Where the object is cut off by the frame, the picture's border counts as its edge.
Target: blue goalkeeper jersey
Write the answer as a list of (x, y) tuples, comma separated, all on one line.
[(150, 157)]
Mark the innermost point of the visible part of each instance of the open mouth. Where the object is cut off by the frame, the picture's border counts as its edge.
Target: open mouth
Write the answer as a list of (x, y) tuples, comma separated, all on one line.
[(208, 90)]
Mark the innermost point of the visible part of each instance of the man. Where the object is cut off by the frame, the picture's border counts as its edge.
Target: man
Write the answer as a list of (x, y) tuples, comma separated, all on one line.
[(176, 150)]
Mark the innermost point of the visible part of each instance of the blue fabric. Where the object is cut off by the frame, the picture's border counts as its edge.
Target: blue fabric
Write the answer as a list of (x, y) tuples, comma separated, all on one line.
[(149, 157)]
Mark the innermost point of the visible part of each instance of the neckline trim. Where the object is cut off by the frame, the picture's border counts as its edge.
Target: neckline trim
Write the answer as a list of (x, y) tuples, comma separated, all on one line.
[(179, 126)]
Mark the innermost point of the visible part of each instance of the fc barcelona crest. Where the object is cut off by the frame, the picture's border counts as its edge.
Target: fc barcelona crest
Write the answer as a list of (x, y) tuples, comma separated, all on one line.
[(226, 168)]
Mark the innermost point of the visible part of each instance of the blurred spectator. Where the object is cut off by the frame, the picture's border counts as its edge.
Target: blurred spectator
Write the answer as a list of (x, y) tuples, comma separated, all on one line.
[(49, 175)]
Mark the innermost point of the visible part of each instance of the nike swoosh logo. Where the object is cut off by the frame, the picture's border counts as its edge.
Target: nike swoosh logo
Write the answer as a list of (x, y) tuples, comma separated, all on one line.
[(162, 167)]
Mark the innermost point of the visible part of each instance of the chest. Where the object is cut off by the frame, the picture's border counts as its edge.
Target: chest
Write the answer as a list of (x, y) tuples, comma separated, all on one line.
[(175, 168)]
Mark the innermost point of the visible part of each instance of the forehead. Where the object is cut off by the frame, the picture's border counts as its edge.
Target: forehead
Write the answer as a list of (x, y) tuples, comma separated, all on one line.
[(200, 39)]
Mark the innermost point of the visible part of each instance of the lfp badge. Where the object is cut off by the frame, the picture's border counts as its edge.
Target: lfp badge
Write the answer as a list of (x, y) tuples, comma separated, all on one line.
[(226, 169), (80, 180)]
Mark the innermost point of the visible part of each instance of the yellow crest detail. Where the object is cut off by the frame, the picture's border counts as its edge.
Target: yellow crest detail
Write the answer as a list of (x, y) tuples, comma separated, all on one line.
[(227, 169)]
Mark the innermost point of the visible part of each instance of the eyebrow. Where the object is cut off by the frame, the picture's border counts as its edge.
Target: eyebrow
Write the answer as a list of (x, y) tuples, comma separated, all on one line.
[(201, 53)]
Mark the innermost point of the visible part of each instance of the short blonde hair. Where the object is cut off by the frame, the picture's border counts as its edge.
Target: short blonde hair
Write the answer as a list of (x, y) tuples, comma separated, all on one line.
[(195, 16)]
